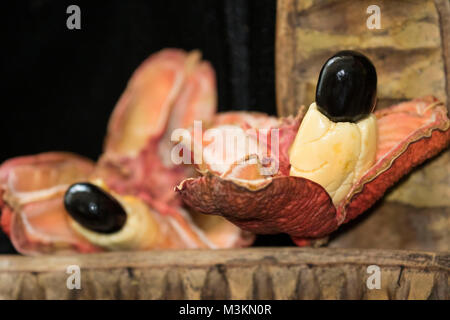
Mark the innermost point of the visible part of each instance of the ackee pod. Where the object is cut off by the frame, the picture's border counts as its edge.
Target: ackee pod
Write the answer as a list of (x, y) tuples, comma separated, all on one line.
[(94, 208), (347, 87)]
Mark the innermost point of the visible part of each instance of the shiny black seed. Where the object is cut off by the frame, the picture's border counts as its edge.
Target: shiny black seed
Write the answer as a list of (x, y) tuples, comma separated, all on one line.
[(347, 87), (94, 209)]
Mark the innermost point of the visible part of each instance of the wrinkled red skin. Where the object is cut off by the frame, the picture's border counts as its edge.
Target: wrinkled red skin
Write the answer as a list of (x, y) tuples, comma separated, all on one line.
[(269, 210), (302, 208)]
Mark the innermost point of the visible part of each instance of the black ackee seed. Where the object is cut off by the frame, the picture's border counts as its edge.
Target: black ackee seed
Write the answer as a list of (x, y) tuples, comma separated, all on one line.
[(93, 208), (347, 87)]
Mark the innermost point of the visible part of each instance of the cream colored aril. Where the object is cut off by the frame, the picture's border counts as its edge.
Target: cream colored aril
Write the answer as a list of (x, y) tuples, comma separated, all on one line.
[(333, 154), (141, 230)]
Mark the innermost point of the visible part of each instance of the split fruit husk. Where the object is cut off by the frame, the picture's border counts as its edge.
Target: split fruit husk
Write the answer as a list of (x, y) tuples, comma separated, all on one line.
[(170, 90), (408, 134)]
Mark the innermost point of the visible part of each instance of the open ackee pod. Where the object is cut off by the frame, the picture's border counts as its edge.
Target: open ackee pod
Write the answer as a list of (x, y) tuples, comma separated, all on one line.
[(31, 192), (408, 134), (170, 90)]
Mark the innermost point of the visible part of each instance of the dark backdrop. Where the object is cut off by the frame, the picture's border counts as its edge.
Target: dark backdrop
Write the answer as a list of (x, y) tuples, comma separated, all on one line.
[(61, 85)]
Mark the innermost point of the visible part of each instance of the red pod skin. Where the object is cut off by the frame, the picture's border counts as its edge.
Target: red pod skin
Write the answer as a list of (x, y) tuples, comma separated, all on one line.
[(302, 208), (296, 206)]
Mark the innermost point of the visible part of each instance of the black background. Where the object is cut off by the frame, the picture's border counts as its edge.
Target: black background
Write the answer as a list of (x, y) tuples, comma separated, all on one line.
[(61, 85)]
